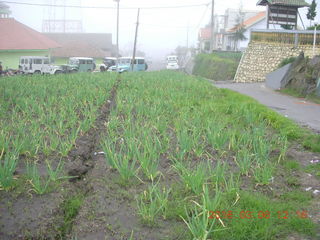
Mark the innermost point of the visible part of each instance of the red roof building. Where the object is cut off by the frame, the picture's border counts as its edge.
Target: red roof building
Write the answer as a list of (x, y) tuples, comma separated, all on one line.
[(17, 39), (249, 22)]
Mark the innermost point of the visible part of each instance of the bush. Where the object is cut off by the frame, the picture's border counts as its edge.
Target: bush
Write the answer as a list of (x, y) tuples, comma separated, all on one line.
[(286, 61), (216, 66)]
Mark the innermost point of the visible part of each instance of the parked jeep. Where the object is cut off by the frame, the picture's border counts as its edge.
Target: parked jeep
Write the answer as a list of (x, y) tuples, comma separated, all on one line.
[(107, 62), (125, 65), (81, 64), (37, 65)]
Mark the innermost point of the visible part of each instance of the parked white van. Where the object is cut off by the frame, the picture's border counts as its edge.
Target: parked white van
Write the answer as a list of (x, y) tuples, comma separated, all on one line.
[(37, 65), (172, 63)]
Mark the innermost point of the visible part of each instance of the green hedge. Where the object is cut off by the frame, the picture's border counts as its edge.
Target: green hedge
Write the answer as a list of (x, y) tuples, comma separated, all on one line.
[(216, 66)]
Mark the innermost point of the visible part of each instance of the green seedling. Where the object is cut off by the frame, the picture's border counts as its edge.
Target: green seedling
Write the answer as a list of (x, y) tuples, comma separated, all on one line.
[(120, 161), (148, 156), (194, 178), (56, 174), (40, 185), (263, 173), (244, 161), (218, 173), (152, 202), (8, 164)]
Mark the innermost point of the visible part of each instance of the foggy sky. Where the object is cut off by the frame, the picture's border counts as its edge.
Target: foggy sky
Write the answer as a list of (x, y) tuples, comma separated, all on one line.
[(161, 30)]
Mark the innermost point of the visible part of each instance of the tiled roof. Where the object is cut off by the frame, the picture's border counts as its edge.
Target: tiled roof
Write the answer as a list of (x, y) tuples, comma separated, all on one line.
[(17, 36), (297, 3), (250, 21), (99, 40), (79, 48), (96, 45)]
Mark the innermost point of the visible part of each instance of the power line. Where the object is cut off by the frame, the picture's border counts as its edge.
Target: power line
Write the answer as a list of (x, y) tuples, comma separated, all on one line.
[(103, 7), (162, 26)]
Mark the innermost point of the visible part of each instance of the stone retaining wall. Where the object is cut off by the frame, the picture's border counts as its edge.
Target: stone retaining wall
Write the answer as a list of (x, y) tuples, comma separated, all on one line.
[(262, 58)]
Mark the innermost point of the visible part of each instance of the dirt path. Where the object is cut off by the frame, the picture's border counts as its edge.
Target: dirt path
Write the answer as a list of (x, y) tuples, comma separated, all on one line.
[(305, 113)]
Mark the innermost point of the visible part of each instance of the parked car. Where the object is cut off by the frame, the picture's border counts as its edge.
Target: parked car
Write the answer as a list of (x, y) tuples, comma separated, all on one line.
[(172, 58), (172, 63), (37, 65), (125, 65), (107, 62), (81, 64)]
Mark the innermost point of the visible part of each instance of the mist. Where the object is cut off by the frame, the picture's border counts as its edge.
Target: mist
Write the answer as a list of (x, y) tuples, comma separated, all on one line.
[(160, 30)]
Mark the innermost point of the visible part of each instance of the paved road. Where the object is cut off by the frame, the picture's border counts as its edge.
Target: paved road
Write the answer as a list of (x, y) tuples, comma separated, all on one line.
[(305, 113)]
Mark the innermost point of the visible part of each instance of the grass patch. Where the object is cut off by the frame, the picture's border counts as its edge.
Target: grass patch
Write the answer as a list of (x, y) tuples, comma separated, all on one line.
[(215, 66), (297, 196), (293, 92), (314, 169), (70, 208), (255, 216), (291, 165), (284, 126)]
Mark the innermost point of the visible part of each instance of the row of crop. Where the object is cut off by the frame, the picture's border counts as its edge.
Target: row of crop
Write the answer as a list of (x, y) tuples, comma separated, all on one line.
[(209, 141), (46, 114)]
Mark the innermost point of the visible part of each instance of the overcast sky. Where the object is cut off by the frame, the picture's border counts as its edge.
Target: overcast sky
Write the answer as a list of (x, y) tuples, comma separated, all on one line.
[(161, 30)]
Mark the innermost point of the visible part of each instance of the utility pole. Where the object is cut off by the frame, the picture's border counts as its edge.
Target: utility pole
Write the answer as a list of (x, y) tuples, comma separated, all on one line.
[(212, 28), (135, 41), (188, 29), (64, 16), (118, 2), (314, 39)]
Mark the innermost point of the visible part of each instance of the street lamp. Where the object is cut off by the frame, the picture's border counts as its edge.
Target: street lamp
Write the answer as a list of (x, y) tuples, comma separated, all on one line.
[(314, 38), (118, 2)]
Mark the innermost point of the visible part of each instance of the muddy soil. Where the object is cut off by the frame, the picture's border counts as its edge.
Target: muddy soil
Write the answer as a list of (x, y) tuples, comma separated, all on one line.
[(25, 215), (109, 210)]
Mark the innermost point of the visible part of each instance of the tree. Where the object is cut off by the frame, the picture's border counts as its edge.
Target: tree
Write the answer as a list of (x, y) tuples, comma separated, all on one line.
[(240, 29), (312, 11), (287, 27)]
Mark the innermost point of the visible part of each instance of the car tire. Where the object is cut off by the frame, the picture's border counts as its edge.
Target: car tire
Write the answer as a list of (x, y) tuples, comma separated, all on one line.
[(102, 69)]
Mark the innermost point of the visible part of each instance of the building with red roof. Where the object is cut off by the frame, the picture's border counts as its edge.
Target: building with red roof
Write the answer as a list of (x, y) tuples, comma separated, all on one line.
[(226, 27), (258, 21), (17, 39)]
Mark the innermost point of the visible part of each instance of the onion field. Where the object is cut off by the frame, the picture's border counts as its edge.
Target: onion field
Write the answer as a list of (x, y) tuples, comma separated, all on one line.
[(158, 155)]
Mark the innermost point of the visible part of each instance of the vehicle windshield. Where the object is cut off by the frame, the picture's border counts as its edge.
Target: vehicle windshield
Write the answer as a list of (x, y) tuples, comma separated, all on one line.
[(74, 61), (125, 61), (128, 61), (109, 61)]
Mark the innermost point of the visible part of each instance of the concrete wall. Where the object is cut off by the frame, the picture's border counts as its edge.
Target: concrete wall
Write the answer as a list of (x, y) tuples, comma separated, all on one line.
[(10, 59), (261, 58)]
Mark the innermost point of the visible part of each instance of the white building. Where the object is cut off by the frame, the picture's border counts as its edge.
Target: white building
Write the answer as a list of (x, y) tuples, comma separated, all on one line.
[(227, 25), (258, 21)]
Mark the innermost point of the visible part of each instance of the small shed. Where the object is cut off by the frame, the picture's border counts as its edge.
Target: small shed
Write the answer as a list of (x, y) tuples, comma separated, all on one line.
[(283, 12)]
